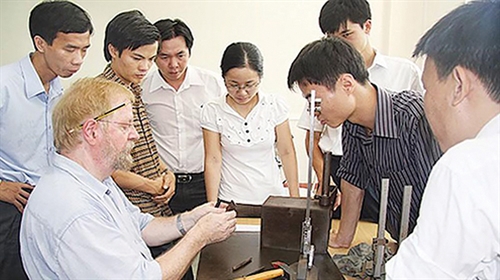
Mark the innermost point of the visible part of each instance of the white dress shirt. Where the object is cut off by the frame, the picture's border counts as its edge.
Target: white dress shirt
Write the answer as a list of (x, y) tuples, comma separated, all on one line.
[(175, 116), (458, 231)]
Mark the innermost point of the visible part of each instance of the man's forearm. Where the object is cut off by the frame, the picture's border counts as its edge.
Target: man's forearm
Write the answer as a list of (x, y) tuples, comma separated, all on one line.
[(352, 200), (175, 262), (132, 181)]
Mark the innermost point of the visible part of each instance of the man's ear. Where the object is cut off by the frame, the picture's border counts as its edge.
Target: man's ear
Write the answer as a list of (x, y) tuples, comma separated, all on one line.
[(89, 131), (347, 82), (463, 83), (40, 43), (367, 26), (113, 51)]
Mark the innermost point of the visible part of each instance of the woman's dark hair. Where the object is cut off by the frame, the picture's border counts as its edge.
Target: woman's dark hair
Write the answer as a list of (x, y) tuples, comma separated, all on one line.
[(240, 55)]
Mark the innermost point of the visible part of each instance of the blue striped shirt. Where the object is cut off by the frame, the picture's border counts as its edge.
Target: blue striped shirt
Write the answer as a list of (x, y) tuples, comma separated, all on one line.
[(401, 148)]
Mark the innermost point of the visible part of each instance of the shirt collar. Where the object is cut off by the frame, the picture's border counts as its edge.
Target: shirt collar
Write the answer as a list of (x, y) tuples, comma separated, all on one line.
[(263, 99), (81, 175), (110, 74), (33, 85), (192, 78), (384, 125), (384, 115), (378, 61), (490, 128)]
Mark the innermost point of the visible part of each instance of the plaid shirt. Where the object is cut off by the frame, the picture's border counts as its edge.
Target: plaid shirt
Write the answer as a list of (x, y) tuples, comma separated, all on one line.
[(145, 155)]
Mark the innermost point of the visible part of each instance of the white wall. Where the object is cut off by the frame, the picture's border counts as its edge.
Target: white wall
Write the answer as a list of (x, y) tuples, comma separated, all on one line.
[(279, 28)]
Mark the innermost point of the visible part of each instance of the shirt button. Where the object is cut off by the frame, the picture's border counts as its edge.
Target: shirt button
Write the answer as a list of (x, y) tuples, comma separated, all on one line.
[(248, 140), (247, 131), (246, 123)]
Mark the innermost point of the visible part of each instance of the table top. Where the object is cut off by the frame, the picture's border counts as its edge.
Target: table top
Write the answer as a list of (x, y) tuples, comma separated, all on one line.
[(217, 260)]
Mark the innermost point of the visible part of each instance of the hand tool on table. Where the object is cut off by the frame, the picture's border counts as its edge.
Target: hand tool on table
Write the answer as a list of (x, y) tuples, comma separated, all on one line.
[(266, 275), (241, 264)]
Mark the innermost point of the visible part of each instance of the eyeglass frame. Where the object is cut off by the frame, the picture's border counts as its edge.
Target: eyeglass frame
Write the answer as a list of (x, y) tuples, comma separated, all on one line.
[(127, 125), (102, 116), (246, 87)]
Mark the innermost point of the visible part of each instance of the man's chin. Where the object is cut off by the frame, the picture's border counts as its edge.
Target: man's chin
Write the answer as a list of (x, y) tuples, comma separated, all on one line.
[(124, 163)]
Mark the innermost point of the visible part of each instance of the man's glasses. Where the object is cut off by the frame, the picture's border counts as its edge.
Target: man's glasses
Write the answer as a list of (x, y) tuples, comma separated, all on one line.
[(100, 117), (124, 126), (247, 88)]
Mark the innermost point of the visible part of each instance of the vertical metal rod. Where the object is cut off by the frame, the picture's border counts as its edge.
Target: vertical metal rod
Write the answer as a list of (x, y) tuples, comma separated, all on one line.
[(405, 213), (311, 150), (305, 249), (380, 240), (325, 181)]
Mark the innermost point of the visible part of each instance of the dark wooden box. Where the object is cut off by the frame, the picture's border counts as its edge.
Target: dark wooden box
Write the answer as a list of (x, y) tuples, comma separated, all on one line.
[(281, 223)]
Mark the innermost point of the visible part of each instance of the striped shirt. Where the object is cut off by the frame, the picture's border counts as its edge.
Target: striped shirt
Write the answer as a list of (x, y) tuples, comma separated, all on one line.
[(401, 148), (145, 155)]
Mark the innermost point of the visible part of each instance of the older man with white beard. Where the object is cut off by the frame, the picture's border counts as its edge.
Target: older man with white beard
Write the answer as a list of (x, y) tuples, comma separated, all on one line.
[(79, 224)]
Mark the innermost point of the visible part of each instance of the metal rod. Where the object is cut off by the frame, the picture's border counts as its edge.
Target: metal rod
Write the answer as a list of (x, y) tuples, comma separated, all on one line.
[(405, 213), (311, 150), (380, 240), (325, 181)]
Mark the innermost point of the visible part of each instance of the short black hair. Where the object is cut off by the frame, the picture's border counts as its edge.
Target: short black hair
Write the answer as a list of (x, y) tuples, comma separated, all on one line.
[(468, 36), (336, 13), (323, 61), (51, 17), (240, 55), (170, 29), (129, 30)]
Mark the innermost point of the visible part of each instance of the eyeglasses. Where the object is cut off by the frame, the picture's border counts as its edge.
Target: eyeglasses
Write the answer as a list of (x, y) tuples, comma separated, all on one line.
[(247, 87), (100, 117), (124, 126)]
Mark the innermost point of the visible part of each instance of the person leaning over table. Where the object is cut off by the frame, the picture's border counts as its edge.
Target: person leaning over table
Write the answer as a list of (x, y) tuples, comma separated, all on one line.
[(385, 134), (240, 131), (351, 21), (29, 89), (458, 231), (97, 232)]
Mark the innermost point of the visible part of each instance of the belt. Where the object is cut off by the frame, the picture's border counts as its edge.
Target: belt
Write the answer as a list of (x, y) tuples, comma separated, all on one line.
[(184, 178)]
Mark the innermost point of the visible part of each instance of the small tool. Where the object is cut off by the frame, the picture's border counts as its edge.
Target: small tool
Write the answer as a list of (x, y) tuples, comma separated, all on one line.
[(258, 270), (288, 270), (231, 206), (270, 274), (242, 264)]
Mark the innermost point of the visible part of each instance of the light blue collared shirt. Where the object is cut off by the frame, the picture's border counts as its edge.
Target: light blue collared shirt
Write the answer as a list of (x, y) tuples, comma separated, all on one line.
[(26, 135), (76, 227)]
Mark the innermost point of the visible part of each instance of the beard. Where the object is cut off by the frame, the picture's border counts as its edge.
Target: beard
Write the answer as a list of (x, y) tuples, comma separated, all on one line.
[(121, 160), (124, 159)]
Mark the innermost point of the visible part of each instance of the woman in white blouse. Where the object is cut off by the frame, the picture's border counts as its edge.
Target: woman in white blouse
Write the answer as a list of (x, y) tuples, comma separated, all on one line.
[(240, 132)]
